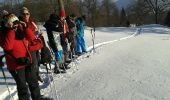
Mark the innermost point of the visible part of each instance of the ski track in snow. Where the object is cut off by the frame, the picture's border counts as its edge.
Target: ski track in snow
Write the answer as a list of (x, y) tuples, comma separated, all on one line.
[(95, 78), (66, 76)]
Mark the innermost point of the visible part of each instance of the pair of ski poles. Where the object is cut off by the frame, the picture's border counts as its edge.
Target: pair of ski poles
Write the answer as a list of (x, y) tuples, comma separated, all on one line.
[(51, 80), (1, 65)]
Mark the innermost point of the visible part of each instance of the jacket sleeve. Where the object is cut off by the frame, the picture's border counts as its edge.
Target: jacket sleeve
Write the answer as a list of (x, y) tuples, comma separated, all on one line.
[(9, 40)]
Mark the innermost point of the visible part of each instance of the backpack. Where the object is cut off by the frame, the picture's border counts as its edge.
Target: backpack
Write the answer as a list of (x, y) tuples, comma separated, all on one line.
[(46, 56)]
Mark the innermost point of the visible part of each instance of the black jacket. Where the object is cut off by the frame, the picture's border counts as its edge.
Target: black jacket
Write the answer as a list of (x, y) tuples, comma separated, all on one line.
[(53, 24)]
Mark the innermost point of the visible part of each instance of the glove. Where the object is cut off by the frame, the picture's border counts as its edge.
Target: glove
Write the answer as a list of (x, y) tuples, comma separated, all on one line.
[(1, 63)]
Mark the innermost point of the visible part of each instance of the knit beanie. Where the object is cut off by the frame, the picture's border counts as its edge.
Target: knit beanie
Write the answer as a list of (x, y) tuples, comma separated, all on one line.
[(62, 13), (10, 19)]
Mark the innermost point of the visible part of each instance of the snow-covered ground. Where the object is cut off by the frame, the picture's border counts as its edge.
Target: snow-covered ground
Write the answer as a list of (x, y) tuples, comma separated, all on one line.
[(129, 64)]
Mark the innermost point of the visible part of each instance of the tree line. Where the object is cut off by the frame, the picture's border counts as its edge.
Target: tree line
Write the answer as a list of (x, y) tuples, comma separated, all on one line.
[(99, 12)]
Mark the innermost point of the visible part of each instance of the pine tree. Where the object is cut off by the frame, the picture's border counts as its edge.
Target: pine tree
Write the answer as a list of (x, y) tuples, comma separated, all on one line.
[(167, 19), (123, 17)]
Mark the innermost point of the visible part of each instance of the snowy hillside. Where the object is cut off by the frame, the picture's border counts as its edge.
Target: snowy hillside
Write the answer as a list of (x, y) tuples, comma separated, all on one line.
[(128, 64)]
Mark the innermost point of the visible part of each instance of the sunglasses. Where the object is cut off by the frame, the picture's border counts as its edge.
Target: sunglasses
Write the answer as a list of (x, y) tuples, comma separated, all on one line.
[(25, 13)]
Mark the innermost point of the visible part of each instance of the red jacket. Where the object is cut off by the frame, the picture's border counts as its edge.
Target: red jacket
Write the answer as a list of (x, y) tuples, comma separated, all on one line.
[(15, 48)]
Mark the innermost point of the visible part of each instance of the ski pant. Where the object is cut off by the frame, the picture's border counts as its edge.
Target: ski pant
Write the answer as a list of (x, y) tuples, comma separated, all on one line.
[(35, 62), (73, 45), (23, 77), (59, 55), (80, 45), (64, 45), (38, 58)]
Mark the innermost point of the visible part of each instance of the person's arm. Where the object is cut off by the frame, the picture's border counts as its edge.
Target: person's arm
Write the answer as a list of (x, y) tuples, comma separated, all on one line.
[(9, 40), (51, 40)]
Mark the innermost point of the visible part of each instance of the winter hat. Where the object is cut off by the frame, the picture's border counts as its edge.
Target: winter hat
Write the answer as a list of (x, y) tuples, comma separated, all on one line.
[(62, 13), (10, 19)]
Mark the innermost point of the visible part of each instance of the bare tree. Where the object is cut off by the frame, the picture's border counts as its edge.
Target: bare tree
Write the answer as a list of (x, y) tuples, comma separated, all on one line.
[(89, 8), (167, 19), (137, 13), (157, 7)]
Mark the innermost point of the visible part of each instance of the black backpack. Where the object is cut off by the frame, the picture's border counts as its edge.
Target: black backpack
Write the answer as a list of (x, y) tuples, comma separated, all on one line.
[(46, 56)]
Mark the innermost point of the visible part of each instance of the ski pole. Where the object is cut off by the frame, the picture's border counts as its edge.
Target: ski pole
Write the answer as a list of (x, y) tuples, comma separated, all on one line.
[(94, 30), (92, 34), (6, 83)]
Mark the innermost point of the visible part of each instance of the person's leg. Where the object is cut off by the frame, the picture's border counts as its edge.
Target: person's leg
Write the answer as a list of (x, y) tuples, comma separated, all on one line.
[(78, 45), (59, 61), (38, 58), (31, 78), (35, 64), (22, 88), (73, 44), (83, 45)]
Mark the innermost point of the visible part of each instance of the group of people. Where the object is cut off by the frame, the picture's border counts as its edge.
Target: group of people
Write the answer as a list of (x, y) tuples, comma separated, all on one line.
[(22, 42), (66, 38)]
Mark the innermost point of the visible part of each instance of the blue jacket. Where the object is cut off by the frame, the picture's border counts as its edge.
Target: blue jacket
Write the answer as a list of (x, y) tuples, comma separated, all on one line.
[(80, 26)]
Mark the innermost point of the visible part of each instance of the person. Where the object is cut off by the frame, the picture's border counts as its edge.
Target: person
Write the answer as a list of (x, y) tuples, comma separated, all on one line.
[(54, 28), (80, 42), (18, 58), (72, 33), (4, 13), (64, 39), (26, 17)]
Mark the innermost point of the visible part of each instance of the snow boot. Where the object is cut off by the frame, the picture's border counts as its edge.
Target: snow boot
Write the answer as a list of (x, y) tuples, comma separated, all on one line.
[(45, 98), (65, 66), (57, 71)]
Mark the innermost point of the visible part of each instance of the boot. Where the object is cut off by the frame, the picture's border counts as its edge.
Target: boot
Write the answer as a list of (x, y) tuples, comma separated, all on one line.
[(58, 71), (75, 57), (68, 60), (65, 66), (45, 98)]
